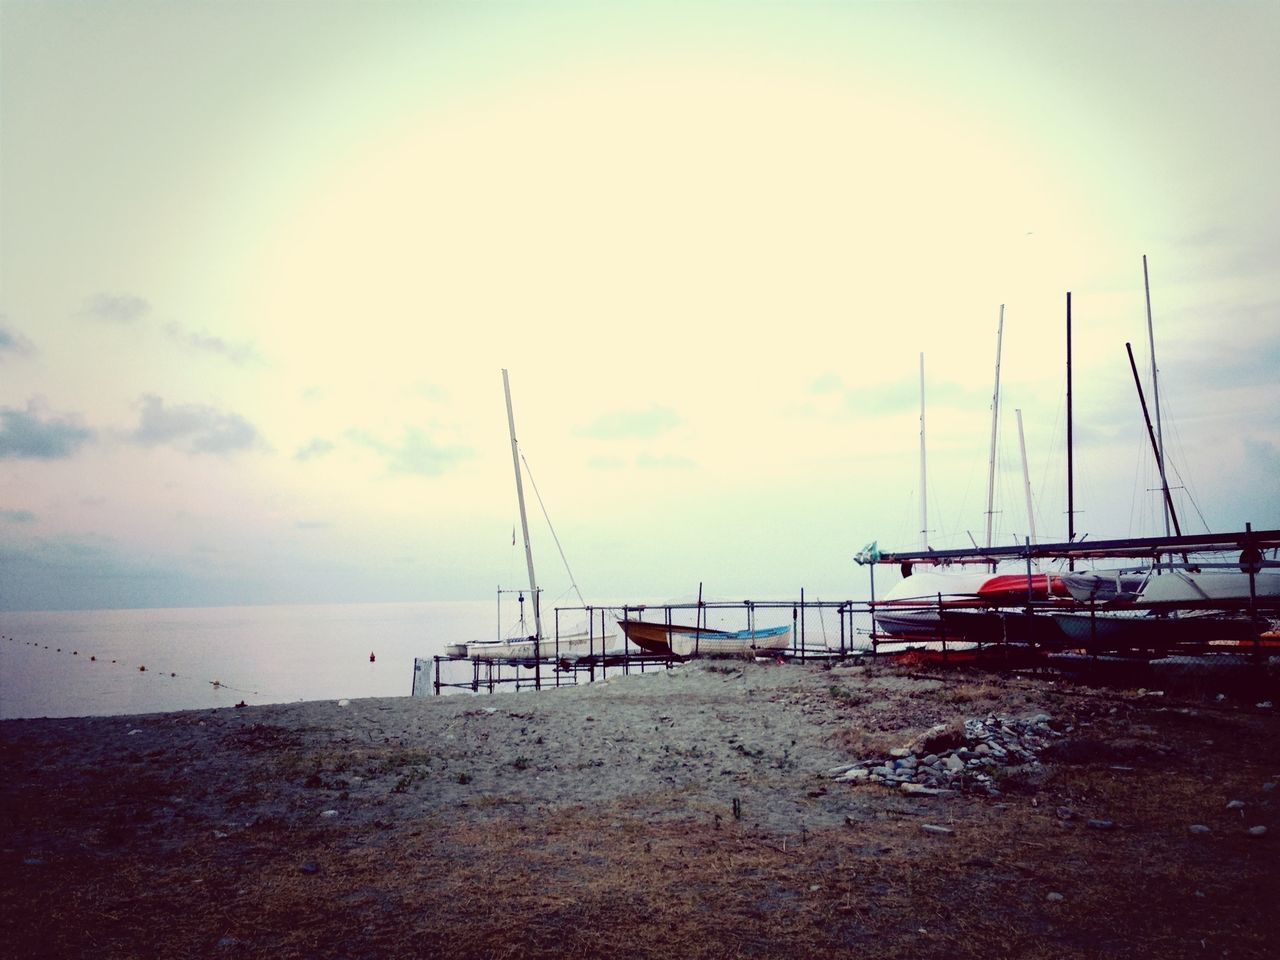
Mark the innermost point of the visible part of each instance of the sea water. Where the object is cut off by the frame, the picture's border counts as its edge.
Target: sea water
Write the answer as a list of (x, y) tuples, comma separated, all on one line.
[(90, 662), (108, 662)]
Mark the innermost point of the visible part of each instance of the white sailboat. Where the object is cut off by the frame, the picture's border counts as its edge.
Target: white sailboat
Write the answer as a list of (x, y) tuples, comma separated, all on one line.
[(537, 645)]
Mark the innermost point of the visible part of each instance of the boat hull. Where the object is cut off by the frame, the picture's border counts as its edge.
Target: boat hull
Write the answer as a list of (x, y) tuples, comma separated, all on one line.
[(1142, 631), (572, 645), (686, 641)]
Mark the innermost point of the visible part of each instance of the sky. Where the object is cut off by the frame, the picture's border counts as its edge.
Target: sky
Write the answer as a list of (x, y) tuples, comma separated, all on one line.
[(262, 264)]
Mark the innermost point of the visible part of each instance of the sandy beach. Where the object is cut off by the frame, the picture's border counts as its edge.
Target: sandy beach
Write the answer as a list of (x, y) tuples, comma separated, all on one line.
[(705, 811)]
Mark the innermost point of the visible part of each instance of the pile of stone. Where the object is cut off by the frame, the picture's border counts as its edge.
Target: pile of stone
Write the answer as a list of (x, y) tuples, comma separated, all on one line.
[(949, 758)]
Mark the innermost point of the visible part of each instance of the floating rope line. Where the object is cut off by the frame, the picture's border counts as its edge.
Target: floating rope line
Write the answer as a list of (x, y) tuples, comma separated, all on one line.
[(143, 668)]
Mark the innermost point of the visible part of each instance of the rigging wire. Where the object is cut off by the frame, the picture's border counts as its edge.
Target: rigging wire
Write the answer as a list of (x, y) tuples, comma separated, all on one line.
[(563, 559)]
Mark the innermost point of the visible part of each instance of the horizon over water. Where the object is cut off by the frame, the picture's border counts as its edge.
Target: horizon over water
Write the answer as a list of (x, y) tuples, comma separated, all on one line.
[(71, 663), (59, 663)]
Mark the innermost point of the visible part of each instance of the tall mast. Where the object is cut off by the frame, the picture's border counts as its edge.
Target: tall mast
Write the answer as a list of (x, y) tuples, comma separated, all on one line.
[(924, 507), (995, 416), (1026, 478), (1137, 382), (524, 519), (1071, 479), (1155, 391)]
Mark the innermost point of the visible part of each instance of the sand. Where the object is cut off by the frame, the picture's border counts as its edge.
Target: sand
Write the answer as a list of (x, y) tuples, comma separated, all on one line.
[(685, 812)]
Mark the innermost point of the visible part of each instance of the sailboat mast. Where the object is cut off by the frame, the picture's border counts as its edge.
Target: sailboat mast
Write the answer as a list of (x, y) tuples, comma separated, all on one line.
[(1155, 388), (1026, 478), (924, 506), (995, 416), (524, 519), (1071, 477), (1164, 486)]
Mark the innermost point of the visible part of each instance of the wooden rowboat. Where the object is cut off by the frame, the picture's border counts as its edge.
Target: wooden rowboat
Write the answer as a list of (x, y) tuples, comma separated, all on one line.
[(685, 641)]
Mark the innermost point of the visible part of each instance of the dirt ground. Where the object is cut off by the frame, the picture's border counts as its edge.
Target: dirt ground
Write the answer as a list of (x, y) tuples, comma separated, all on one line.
[(683, 814)]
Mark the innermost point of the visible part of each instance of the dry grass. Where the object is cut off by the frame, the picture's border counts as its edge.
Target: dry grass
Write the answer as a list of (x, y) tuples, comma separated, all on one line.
[(127, 868)]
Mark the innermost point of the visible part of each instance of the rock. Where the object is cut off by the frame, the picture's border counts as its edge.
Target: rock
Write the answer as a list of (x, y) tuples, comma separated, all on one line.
[(1269, 787), (900, 752), (1235, 805), (953, 763), (1199, 828), (344, 703), (1264, 705), (1257, 831), (857, 773), (921, 789), (309, 867), (1101, 824), (1055, 898), (935, 828), (329, 813)]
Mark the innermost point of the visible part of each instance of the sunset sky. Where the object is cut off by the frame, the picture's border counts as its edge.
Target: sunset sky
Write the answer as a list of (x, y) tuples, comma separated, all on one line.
[(262, 264)]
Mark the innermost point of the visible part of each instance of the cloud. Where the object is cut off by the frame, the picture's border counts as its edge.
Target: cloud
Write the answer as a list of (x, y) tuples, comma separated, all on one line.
[(116, 308), (194, 428), (606, 463), (418, 454), (88, 573), (627, 424), (899, 396), (318, 447), (25, 434), (237, 353), (11, 341), (17, 516), (648, 461)]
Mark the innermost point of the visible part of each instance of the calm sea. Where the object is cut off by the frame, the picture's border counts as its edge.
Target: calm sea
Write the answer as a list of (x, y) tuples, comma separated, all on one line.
[(87, 663)]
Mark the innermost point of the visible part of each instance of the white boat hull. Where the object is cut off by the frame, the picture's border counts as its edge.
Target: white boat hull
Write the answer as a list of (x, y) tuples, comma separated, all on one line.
[(573, 645)]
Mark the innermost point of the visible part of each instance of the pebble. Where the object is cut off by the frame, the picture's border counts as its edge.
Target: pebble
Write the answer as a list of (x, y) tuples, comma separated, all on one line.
[(329, 813), (1055, 898), (857, 773), (1257, 831), (1235, 805), (1199, 828), (1101, 824), (934, 828), (344, 703)]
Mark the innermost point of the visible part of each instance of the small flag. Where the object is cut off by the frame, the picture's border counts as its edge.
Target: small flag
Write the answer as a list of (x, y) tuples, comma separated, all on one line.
[(868, 554)]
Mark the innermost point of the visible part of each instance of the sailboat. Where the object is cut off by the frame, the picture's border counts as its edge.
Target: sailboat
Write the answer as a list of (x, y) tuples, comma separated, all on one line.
[(536, 645), (935, 605)]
